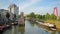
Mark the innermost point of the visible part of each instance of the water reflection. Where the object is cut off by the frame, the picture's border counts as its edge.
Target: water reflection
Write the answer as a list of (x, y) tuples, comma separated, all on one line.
[(22, 29), (1, 32), (53, 32), (58, 32), (30, 28), (32, 24), (14, 30), (46, 29)]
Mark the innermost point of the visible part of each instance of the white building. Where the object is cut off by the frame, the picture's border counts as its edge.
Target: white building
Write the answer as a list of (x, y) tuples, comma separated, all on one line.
[(14, 9)]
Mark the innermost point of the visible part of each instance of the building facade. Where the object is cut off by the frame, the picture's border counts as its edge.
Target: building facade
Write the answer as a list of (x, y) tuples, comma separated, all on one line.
[(3, 13), (14, 9)]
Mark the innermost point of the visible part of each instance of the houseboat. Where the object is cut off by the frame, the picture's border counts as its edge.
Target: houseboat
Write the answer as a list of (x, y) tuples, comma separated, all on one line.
[(21, 20)]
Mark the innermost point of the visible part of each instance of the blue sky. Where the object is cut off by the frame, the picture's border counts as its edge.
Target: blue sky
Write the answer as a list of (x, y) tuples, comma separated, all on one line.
[(28, 6)]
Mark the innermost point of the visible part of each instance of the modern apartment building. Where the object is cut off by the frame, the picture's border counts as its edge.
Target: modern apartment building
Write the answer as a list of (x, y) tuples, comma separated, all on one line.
[(14, 9), (3, 12)]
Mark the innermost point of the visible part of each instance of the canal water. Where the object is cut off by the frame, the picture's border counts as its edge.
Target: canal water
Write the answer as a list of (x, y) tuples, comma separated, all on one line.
[(30, 28)]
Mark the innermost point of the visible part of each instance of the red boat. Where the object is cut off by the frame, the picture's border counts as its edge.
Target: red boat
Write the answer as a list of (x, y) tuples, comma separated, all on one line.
[(2, 27), (21, 19)]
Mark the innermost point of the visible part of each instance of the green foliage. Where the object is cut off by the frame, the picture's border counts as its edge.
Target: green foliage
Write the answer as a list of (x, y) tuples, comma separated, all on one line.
[(58, 19), (53, 17), (38, 16), (47, 16), (44, 17), (32, 15)]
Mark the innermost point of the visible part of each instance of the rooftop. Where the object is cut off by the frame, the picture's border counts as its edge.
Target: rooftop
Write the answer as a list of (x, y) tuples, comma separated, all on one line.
[(12, 5)]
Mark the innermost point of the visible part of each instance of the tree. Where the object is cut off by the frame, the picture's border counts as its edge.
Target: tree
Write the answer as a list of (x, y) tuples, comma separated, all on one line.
[(32, 15), (59, 19), (7, 15), (37, 16), (47, 16), (53, 16), (28, 16), (43, 16)]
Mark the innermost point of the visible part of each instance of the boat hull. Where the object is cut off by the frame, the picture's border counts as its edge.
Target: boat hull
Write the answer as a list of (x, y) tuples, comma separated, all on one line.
[(21, 22)]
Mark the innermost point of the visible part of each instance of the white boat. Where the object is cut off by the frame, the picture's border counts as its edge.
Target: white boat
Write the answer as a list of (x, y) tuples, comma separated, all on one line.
[(53, 29)]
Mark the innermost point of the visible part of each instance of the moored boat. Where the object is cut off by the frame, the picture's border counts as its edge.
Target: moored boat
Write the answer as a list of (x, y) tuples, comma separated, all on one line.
[(21, 20)]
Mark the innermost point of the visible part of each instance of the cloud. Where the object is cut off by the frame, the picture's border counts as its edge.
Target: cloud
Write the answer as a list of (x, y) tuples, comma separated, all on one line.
[(56, 3), (27, 8), (59, 10), (43, 10), (33, 1), (39, 10), (9, 0), (4, 3), (1, 6), (25, 5)]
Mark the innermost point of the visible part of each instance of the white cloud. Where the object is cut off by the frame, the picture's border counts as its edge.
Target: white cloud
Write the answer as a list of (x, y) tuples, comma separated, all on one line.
[(55, 3), (2, 6), (39, 10), (10, 1), (43, 10), (59, 10), (33, 1), (25, 5)]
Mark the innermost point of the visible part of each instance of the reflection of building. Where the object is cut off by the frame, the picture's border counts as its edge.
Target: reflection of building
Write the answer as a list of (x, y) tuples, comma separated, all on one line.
[(22, 29), (14, 9)]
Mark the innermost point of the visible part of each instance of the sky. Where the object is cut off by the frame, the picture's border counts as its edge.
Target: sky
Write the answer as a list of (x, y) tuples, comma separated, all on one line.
[(37, 6)]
